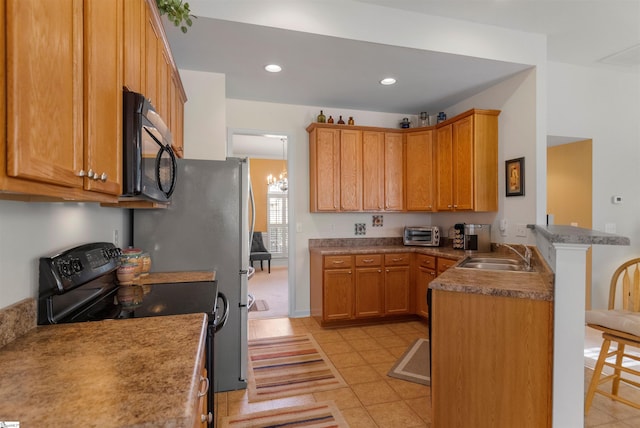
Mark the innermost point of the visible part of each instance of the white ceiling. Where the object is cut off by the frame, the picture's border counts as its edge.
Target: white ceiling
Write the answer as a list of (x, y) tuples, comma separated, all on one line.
[(341, 73)]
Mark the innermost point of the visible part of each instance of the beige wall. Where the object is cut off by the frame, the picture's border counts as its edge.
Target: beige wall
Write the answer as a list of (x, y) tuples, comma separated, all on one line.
[(569, 183), (259, 170)]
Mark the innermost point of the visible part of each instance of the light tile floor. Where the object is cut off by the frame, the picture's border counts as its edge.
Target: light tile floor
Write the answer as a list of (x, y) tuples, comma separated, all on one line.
[(364, 355)]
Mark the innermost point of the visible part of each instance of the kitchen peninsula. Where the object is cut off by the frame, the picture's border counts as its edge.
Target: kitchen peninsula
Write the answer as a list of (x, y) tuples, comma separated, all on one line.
[(492, 347)]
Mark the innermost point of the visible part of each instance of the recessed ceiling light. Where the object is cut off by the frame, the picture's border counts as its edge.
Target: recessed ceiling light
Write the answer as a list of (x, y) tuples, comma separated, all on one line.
[(388, 81), (273, 68)]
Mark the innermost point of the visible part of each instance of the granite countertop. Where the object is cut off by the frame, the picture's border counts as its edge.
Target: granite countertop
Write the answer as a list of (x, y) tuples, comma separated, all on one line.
[(536, 285), (447, 252), (113, 373), (184, 276), (578, 235)]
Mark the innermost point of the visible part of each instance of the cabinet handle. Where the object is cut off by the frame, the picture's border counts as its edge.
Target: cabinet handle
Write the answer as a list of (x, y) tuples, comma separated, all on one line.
[(399, 259), (379, 270), (455, 206), (338, 262), (432, 273), (387, 270), (90, 174), (206, 418), (349, 272), (206, 387), (449, 206), (103, 177), (367, 260), (82, 173)]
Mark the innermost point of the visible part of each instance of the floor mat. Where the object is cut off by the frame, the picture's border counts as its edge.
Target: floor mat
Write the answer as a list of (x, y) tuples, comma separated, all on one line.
[(289, 365), (317, 415), (414, 364)]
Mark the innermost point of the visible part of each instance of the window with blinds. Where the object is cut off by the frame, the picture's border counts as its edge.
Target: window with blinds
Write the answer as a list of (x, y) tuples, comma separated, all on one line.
[(277, 224)]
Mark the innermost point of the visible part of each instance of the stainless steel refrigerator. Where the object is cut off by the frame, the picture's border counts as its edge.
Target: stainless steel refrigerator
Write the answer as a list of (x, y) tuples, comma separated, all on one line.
[(206, 226)]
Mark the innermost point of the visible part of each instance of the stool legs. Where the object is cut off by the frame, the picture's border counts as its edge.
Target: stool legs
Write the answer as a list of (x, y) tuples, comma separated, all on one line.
[(616, 377), (595, 380)]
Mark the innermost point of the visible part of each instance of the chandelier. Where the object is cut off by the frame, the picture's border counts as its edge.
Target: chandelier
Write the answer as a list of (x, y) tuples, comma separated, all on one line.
[(282, 182)]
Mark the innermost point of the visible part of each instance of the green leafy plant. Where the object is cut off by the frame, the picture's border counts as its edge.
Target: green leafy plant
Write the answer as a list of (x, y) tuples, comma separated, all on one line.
[(177, 12)]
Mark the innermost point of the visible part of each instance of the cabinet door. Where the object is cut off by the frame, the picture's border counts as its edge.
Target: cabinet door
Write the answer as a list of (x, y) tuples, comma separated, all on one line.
[(152, 39), (397, 290), (350, 170), (419, 171), (463, 164), (369, 288), (177, 99), (163, 82), (103, 30), (134, 45), (44, 91), (372, 171), (444, 168), (324, 168), (423, 277), (444, 264), (393, 171), (337, 295)]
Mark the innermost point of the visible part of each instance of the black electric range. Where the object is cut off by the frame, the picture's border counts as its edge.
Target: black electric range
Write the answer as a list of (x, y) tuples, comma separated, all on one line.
[(80, 285)]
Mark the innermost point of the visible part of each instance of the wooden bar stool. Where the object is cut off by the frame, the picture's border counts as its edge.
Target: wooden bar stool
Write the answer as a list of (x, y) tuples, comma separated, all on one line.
[(621, 326)]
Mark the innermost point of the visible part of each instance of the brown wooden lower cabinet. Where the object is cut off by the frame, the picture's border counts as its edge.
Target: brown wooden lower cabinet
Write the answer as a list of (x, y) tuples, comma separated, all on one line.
[(362, 287), (425, 273), (492, 361), (369, 286)]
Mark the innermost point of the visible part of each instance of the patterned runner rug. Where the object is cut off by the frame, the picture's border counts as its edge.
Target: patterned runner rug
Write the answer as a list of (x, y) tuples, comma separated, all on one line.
[(289, 365), (414, 364), (318, 415)]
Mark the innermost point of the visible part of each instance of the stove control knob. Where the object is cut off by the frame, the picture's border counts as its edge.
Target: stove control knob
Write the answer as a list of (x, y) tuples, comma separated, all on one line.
[(64, 267), (76, 266)]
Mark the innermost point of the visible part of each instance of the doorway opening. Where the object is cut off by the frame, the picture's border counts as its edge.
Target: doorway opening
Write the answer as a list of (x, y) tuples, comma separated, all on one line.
[(270, 287), (570, 189)]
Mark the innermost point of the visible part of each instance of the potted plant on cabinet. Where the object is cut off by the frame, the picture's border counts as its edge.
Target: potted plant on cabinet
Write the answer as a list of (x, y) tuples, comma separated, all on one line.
[(177, 12)]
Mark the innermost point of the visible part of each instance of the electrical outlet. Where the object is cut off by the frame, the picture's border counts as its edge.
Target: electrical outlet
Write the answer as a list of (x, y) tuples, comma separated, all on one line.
[(116, 238), (521, 230)]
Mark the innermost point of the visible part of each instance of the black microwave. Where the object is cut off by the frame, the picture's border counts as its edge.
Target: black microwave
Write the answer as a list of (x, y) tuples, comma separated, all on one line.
[(149, 163)]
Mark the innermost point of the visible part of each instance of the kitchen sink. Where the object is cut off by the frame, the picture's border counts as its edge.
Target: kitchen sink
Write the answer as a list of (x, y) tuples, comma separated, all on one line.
[(500, 260), (491, 263)]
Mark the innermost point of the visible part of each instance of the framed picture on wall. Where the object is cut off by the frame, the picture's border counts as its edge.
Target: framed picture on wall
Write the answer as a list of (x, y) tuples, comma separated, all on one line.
[(514, 177)]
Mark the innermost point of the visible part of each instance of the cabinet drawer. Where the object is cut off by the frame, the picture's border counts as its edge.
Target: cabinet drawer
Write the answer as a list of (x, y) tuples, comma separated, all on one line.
[(397, 259), (428, 262), (368, 260), (337, 262), (444, 264)]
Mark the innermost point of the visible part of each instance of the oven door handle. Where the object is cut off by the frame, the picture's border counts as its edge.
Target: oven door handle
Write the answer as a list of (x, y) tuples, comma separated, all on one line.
[(219, 323)]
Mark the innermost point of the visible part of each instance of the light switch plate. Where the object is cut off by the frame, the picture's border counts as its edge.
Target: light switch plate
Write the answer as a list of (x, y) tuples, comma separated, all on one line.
[(521, 230)]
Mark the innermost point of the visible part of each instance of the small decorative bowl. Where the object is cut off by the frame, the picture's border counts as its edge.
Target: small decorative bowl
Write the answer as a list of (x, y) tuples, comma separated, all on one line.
[(126, 273)]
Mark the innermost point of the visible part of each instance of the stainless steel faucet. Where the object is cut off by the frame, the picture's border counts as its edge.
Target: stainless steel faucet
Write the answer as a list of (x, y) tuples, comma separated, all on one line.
[(526, 257)]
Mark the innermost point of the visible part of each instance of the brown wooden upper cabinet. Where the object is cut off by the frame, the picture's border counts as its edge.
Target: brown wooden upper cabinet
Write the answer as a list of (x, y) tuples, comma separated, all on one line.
[(382, 166), (466, 162), (335, 169), (64, 65), (419, 171), (452, 166), (63, 101)]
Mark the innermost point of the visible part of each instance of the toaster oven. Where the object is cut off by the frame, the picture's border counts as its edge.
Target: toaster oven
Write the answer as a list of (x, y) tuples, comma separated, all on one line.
[(427, 236)]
